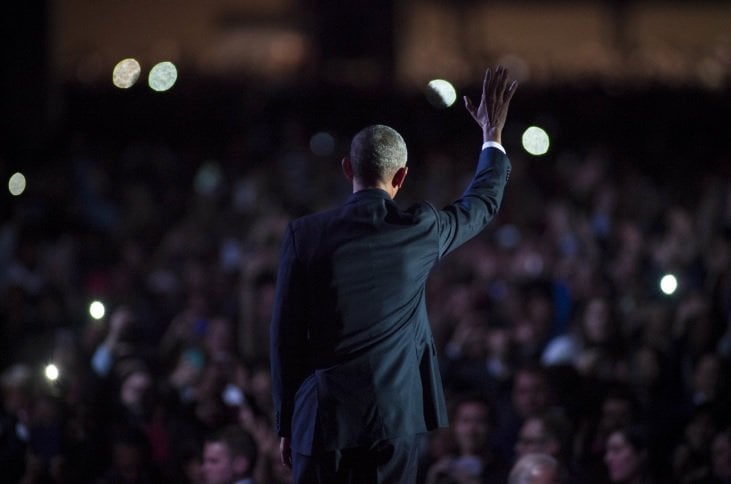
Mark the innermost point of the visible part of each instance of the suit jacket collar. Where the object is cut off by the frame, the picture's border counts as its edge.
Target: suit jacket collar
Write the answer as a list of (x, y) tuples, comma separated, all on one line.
[(368, 194)]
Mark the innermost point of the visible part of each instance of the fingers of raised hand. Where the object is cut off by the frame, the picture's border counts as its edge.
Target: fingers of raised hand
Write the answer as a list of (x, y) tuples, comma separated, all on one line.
[(500, 76), (486, 82), (468, 104), (508, 95), (501, 82), (474, 111)]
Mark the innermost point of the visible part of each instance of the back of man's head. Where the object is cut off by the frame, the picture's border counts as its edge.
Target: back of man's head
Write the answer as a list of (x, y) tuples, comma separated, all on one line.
[(376, 153), (535, 469)]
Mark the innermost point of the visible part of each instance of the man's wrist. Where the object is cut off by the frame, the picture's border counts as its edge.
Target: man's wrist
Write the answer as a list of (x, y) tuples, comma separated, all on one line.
[(493, 144)]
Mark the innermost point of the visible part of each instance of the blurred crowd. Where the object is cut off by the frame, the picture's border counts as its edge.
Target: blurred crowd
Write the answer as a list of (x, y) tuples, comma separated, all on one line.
[(553, 333)]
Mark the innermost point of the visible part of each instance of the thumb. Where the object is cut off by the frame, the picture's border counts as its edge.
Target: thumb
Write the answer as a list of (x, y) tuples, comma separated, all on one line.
[(469, 106)]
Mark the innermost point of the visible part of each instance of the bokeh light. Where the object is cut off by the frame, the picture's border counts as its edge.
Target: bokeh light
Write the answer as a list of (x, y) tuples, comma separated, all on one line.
[(535, 141), (322, 144), (440, 93), (208, 178), (97, 310), (126, 73), (162, 76), (52, 372), (17, 184), (508, 236), (668, 284)]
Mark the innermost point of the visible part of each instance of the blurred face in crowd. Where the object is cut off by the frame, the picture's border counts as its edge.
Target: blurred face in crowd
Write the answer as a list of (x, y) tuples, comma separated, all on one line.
[(15, 399), (706, 375), (533, 439), (261, 386), (135, 390), (530, 393), (721, 455), (596, 323), (471, 427), (540, 312), (15, 383), (616, 412), (545, 475), (535, 468), (219, 466), (193, 470), (127, 460), (699, 430), (219, 338), (645, 369), (624, 462)]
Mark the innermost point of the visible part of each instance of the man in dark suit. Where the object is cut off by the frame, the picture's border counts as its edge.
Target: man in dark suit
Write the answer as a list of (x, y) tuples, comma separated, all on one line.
[(354, 369)]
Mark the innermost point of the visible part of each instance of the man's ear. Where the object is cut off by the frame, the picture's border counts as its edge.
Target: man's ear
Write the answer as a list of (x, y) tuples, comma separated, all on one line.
[(399, 177), (347, 168)]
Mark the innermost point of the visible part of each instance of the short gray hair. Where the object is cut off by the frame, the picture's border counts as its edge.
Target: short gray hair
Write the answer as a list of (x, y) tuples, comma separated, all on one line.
[(376, 153), (530, 466)]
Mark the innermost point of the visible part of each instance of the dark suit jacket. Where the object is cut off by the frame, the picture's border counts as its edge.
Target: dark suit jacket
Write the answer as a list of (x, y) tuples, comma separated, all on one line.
[(352, 355)]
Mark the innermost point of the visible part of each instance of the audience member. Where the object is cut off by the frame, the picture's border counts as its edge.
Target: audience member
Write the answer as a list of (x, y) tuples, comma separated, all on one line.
[(535, 468), (473, 460), (229, 457), (530, 396), (626, 456)]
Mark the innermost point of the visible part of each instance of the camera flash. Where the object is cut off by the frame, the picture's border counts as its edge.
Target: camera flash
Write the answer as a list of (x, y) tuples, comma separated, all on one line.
[(52, 372)]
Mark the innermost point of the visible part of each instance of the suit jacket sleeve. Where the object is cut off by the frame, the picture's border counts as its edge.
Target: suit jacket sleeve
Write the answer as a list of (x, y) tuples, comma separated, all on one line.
[(288, 335), (467, 216)]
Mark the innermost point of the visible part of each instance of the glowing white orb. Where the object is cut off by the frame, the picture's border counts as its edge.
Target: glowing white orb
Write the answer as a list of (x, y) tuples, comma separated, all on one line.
[(535, 141), (16, 184), (52, 372), (97, 310), (322, 144), (162, 76), (440, 93), (126, 73), (668, 284)]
